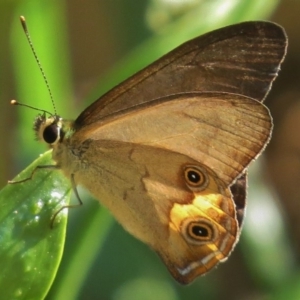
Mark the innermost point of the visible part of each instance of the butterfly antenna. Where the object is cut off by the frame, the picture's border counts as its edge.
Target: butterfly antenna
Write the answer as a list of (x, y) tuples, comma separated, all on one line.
[(23, 22), (14, 102)]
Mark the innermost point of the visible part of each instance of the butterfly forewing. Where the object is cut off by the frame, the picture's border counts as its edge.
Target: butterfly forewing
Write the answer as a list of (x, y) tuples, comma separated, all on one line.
[(242, 59)]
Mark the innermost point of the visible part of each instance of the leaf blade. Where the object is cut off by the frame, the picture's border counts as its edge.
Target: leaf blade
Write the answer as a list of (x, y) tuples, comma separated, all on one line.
[(30, 250)]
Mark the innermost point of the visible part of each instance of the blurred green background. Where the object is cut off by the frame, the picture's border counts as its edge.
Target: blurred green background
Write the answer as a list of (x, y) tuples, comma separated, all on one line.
[(86, 47)]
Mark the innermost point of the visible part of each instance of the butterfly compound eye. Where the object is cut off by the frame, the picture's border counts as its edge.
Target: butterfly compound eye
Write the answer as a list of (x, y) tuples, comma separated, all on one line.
[(51, 133)]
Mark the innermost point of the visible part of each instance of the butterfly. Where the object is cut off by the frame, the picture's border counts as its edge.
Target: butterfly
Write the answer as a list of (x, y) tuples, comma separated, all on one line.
[(167, 150)]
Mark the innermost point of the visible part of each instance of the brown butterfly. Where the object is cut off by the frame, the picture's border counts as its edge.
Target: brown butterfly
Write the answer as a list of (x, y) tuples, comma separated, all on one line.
[(167, 150)]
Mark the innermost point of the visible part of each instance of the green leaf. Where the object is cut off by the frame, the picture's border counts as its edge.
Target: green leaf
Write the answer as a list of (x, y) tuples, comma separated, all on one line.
[(30, 250)]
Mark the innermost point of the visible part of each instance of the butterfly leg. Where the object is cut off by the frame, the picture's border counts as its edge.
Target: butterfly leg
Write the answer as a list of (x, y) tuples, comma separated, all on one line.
[(35, 169), (68, 206)]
